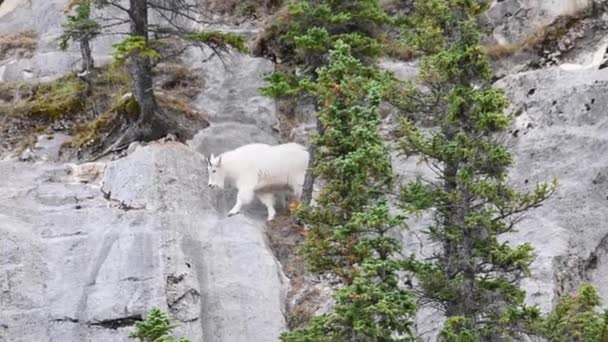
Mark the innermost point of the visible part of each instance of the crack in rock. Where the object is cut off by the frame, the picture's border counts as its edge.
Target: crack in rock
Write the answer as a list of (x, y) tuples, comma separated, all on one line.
[(135, 279), (65, 319), (114, 203), (598, 252), (183, 300), (118, 322), (49, 235), (112, 324)]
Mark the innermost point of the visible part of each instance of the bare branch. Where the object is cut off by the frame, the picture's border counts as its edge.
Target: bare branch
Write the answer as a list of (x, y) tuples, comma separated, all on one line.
[(126, 21), (184, 11), (120, 7)]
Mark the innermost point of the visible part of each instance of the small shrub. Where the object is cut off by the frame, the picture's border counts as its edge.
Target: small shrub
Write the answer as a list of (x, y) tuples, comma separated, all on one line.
[(57, 99), (89, 133), (577, 318), (155, 328)]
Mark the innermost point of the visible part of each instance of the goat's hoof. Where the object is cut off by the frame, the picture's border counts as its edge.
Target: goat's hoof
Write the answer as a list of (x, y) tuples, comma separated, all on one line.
[(294, 206), (232, 214)]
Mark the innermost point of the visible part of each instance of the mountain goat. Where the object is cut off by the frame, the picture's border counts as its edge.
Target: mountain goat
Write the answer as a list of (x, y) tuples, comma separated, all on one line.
[(257, 169)]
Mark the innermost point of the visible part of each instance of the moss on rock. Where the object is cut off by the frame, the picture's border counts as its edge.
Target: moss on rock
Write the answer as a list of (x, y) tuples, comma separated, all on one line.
[(95, 110), (48, 101)]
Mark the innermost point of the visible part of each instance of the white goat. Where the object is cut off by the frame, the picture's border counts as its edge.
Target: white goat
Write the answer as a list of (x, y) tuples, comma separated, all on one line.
[(257, 169)]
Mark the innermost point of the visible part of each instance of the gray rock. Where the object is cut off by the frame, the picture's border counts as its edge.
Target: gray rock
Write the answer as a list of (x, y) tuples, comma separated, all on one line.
[(46, 19), (231, 92), (88, 249), (515, 20), (47, 147), (226, 136), (97, 261), (405, 71), (243, 285), (561, 132), (16, 16)]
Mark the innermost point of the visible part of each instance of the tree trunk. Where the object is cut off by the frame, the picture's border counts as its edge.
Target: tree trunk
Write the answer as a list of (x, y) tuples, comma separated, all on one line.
[(152, 123), (458, 255), (87, 57), (140, 67)]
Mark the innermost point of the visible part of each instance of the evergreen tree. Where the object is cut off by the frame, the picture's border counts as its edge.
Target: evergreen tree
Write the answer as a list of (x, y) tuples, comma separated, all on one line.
[(350, 226), (473, 276), (305, 36), (575, 318), (156, 327), (81, 28), (329, 44), (141, 50)]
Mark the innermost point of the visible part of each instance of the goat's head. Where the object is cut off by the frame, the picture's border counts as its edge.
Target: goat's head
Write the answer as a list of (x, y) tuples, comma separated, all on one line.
[(216, 174)]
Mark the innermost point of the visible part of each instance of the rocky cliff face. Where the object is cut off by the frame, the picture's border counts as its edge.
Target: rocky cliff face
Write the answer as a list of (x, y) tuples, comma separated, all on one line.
[(85, 250)]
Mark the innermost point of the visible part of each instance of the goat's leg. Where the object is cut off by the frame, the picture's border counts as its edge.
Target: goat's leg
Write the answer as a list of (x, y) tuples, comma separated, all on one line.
[(244, 197), (297, 185), (268, 200)]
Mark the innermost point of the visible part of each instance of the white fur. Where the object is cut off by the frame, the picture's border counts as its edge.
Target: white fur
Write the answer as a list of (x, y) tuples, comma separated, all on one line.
[(257, 169)]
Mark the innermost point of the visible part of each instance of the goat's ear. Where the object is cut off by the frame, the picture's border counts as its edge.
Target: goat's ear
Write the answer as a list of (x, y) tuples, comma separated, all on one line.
[(208, 161), (219, 161)]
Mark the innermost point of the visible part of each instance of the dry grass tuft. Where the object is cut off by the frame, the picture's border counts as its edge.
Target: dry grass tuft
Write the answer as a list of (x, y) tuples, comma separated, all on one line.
[(400, 51), (18, 44), (90, 133), (499, 51), (179, 80), (542, 37), (245, 8), (305, 296), (178, 106)]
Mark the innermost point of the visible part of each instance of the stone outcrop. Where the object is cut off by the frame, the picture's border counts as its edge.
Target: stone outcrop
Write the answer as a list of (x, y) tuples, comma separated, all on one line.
[(88, 249), (515, 20), (81, 261)]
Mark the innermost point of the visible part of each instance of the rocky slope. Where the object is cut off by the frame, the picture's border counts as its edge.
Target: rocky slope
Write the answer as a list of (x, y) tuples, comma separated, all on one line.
[(87, 249)]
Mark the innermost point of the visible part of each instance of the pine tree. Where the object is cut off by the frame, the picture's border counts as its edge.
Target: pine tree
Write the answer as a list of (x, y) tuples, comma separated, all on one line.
[(350, 226), (473, 277), (156, 327), (329, 44), (305, 36), (81, 28), (575, 318)]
